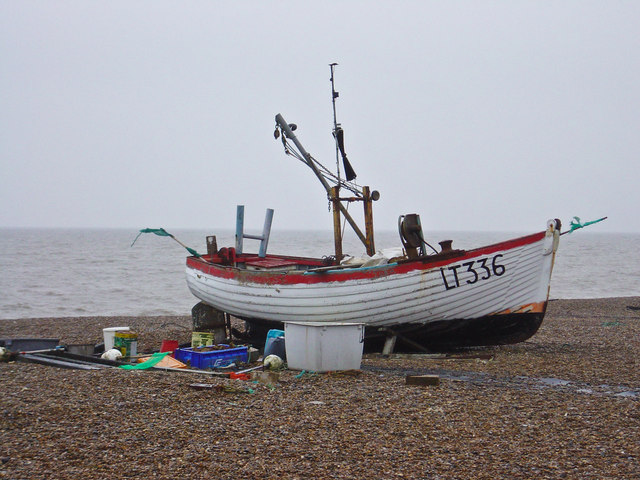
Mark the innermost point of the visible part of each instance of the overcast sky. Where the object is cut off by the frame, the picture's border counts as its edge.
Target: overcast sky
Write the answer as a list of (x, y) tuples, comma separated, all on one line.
[(477, 115)]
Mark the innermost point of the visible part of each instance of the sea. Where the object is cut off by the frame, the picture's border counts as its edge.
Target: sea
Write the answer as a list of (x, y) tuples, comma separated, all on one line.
[(98, 272)]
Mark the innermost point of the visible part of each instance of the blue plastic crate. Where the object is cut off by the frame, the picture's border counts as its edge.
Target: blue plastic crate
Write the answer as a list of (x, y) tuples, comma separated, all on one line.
[(183, 355), (199, 359)]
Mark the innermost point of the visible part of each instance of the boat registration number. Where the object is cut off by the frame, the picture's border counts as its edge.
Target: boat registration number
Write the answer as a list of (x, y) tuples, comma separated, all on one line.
[(468, 273)]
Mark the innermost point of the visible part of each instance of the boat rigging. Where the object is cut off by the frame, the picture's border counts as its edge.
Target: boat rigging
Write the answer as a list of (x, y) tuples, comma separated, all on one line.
[(285, 131)]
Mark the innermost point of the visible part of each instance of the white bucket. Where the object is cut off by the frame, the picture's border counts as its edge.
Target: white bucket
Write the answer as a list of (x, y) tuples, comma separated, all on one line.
[(110, 335), (324, 347)]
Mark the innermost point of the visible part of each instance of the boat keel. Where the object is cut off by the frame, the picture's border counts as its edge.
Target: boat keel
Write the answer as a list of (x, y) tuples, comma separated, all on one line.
[(439, 336)]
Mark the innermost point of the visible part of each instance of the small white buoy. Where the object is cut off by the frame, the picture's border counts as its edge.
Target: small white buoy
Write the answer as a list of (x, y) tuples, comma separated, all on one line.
[(272, 362), (113, 354)]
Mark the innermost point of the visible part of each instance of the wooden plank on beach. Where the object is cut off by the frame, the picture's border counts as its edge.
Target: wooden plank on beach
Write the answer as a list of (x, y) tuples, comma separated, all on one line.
[(423, 380), (54, 362)]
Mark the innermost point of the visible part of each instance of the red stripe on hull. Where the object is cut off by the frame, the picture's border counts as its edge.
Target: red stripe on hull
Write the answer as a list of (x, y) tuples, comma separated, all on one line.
[(300, 277)]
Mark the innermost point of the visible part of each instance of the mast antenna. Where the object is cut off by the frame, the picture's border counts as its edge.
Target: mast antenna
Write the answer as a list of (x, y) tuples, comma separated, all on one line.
[(338, 135)]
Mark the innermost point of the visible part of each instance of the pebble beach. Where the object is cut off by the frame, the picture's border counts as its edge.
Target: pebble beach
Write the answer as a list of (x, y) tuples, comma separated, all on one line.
[(564, 404)]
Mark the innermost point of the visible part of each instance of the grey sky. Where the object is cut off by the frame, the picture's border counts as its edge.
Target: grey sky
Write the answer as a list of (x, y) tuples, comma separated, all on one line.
[(476, 115)]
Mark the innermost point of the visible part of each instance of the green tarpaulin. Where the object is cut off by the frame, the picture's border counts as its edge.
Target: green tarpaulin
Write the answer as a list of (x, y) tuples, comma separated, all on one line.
[(155, 359)]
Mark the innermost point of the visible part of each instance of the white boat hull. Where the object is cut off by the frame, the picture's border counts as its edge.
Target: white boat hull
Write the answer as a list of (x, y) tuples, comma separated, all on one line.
[(504, 279)]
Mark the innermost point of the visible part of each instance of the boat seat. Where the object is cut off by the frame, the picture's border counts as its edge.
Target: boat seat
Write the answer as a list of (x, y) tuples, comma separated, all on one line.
[(270, 263)]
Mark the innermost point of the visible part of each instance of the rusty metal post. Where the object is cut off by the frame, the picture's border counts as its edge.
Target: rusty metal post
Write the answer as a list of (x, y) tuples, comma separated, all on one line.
[(212, 245), (337, 230), (368, 220)]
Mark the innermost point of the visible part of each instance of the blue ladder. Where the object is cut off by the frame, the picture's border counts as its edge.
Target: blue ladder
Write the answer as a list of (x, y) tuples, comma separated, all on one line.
[(264, 238)]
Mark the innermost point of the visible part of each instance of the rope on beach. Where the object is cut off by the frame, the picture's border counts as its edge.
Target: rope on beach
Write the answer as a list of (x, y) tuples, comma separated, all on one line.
[(161, 232)]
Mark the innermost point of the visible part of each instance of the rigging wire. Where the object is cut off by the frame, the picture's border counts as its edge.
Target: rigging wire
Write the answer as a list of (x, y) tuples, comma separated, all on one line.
[(344, 222), (326, 173)]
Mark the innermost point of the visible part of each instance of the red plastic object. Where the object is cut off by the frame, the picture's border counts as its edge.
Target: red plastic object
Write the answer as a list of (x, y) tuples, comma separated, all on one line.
[(169, 346), (239, 376)]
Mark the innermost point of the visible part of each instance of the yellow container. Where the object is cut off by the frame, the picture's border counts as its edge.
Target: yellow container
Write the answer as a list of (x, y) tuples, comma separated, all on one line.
[(201, 339), (127, 343)]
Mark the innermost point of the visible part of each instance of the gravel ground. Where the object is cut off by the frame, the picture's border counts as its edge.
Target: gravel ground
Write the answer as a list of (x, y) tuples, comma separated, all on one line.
[(565, 404)]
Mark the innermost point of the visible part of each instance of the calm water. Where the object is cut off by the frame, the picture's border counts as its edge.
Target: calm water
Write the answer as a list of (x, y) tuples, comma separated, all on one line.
[(59, 272)]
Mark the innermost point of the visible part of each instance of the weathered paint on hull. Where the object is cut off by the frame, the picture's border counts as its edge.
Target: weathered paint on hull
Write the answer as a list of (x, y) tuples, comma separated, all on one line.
[(510, 280)]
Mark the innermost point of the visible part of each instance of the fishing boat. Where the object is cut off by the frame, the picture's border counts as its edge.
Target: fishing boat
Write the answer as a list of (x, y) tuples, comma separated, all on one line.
[(424, 297)]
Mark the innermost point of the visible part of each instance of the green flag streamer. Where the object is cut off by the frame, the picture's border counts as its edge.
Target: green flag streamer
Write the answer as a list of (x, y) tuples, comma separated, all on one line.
[(161, 232), (155, 359), (577, 224)]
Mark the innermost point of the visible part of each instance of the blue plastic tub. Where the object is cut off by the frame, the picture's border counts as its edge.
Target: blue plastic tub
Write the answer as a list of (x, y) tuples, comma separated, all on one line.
[(273, 333), (210, 359), (274, 344)]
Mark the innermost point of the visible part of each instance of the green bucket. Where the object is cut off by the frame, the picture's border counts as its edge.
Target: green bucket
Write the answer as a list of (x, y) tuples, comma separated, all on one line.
[(127, 343)]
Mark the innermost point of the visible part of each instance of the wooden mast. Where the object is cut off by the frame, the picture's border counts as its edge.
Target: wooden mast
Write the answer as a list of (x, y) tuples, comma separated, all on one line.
[(333, 192)]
